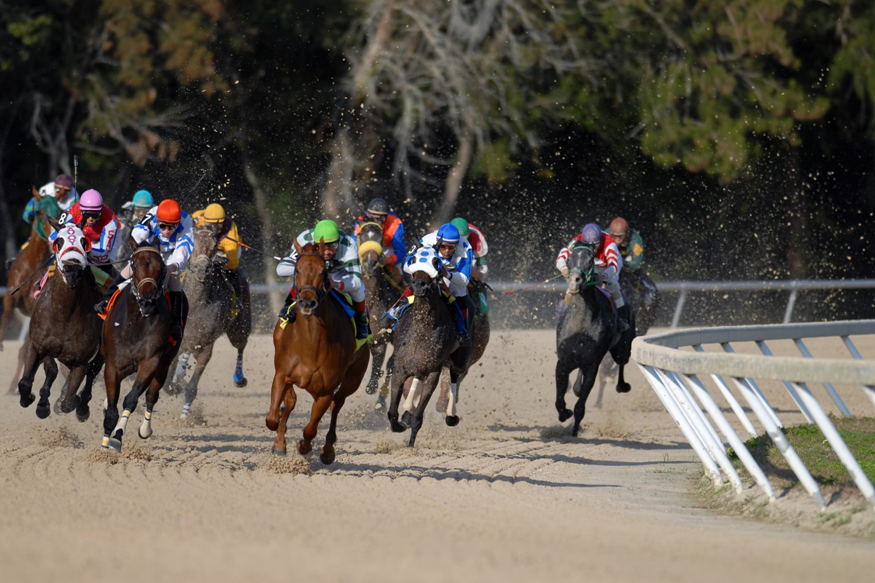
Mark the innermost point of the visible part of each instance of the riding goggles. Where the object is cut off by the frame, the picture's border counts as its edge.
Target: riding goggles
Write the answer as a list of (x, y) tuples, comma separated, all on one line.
[(167, 226)]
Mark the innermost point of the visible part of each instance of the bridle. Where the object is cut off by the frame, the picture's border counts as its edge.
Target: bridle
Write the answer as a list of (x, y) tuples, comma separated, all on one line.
[(320, 293), (589, 278), (139, 284), (204, 259)]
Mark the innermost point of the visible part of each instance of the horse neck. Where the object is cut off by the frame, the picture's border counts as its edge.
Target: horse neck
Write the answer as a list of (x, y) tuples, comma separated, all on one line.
[(431, 305), (71, 297), (320, 321), (588, 300), (198, 291)]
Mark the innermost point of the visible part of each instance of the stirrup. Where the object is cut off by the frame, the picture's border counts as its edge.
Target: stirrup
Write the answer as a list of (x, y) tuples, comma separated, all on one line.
[(463, 339), (623, 326), (101, 306)]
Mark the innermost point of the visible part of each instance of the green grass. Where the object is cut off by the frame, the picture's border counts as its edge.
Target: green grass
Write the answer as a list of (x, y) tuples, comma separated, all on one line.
[(823, 463)]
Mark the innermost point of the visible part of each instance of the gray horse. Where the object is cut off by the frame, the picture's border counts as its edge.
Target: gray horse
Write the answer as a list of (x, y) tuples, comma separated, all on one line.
[(212, 313), (585, 331)]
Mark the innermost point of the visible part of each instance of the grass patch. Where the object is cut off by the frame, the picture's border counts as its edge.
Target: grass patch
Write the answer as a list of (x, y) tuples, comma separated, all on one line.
[(820, 459)]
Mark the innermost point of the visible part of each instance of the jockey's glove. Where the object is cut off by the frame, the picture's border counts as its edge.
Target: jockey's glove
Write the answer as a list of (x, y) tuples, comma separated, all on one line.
[(564, 272), (610, 272), (173, 269)]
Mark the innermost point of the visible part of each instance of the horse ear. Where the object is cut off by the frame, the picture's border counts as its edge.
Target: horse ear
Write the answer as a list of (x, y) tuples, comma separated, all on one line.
[(56, 244), (36, 195), (86, 244), (53, 222), (298, 249), (321, 245)]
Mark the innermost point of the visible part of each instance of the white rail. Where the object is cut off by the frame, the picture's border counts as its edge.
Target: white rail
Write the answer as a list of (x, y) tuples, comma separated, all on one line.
[(673, 375)]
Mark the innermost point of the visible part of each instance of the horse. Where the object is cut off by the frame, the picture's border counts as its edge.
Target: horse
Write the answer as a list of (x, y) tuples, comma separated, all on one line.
[(586, 330), (137, 337), (317, 352), (212, 313), (425, 340), (65, 327), (34, 254), (480, 341), (644, 299), (381, 293)]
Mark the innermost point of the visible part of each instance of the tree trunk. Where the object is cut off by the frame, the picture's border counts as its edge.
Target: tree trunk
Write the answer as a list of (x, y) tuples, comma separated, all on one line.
[(276, 298), (454, 179), (6, 220), (336, 198)]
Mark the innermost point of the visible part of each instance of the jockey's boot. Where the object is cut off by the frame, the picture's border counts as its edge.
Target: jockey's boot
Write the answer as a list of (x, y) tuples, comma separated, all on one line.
[(285, 313), (117, 281), (622, 324), (461, 317), (233, 278), (177, 318), (362, 329)]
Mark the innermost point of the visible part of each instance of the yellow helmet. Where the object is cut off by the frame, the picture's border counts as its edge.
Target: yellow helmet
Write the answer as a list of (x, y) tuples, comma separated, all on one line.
[(214, 213)]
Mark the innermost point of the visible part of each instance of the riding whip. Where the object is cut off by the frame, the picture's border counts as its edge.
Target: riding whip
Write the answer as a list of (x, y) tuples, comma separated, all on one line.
[(75, 174), (252, 248), (52, 258), (507, 293)]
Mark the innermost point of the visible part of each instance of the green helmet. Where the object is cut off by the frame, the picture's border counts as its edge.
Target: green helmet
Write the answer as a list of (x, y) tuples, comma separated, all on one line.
[(462, 225), (326, 230)]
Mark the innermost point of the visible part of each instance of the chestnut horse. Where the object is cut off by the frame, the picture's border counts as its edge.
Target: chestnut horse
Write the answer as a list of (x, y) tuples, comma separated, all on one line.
[(64, 327), (35, 253), (136, 337), (316, 352)]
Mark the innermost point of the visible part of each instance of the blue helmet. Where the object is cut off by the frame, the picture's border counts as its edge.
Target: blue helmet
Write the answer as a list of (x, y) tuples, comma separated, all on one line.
[(143, 198), (591, 235), (449, 233)]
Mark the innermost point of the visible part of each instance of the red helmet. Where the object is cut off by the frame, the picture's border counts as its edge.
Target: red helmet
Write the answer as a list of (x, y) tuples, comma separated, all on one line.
[(619, 227), (169, 212)]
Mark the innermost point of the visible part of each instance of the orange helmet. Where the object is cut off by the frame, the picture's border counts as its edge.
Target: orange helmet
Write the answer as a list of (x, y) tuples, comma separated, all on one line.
[(619, 227), (169, 212)]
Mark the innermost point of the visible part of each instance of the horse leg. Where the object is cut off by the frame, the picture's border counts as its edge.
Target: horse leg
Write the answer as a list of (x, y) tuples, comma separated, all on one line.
[(82, 410), (112, 380), (238, 334), (179, 366), (348, 386), (145, 376), (622, 385), (8, 308), (589, 375), (203, 358), (384, 390), (378, 353), (145, 430), (32, 361), (320, 405), (51, 368), (394, 401), (456, 379), (70, 400), (444, 396), (562, 372), (429, 385), (289, 401), (277, 394)]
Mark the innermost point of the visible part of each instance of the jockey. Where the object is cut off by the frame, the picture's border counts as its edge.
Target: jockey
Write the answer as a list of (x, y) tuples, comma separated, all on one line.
[(169, 227), (99, 225), (457, 258), (61, 190), (341, 257), (607, 263), (478, 244), (137, 207), (227, 243), (394, 250), (629, 242)]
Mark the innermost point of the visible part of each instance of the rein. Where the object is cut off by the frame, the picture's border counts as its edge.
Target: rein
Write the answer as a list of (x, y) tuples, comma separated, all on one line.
[(142, 282), (320, 293)]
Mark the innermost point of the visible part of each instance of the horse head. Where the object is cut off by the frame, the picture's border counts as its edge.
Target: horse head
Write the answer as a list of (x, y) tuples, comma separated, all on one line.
[(370, 247), (204, 253), (311, 277), (71, 251), (424, 265), (149, 272), (581, 269)]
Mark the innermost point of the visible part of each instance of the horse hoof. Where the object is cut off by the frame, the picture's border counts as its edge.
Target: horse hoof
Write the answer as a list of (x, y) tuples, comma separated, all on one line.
[(564, 415), (114, 444), (241, 383), (407, 419), (68, 406), (326, 459), (452, 420), (624, 388), (277, 452), (141, 436), (303, 448), (27, 401), (397, 427), (43, 411), (82, 414)]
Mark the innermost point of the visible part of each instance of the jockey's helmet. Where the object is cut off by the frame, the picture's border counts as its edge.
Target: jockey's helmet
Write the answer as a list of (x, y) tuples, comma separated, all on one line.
[(64, 180), (143, 199), (462, 225), (591, 235), (449, 234), (326, 231), (619, 230), (91, 201), (378, 206), (214, 213), (169, 212)]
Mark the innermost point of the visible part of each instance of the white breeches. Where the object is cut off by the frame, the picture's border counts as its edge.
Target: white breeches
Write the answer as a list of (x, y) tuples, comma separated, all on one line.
[(357, 295), (612, 285), (457, 290)]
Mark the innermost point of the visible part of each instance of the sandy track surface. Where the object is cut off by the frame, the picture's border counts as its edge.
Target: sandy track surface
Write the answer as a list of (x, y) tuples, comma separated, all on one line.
[(505, 496)]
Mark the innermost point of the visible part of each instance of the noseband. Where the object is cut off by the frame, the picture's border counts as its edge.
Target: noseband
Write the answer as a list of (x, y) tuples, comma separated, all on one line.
[(320, 293), (138, 284)]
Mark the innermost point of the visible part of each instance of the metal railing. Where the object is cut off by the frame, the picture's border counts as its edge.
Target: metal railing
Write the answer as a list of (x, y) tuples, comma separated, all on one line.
[(673, 375)]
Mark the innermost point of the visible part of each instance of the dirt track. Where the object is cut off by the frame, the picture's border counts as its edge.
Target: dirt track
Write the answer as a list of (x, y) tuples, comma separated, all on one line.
[(506, 496)]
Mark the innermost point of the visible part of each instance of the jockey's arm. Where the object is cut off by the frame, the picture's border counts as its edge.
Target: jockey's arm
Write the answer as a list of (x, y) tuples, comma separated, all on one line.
[(348, 273), (230, 248), (101, 250), (141, 233), (562, 260), (480, 268), (462, 275), (633, 260), (399, 251), (286, 267), (182, 253)]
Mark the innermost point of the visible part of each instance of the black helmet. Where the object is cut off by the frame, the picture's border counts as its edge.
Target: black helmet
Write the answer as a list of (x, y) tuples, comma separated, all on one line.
[(378, 206)]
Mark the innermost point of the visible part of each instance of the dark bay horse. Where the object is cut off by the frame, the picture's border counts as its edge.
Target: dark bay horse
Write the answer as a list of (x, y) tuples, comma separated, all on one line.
[(137, 338), (317, 352), (210, 303), (64, 327), (381, 293), (34, 254), (586, 330), (425, 340)]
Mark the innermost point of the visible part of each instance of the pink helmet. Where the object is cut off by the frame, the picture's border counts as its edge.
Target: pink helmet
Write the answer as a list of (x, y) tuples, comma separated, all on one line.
[(91, 201)]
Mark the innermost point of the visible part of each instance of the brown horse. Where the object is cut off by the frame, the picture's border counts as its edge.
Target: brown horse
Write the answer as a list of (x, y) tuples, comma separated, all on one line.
[(35, 253), (64, 327), (316, 352), (381, 293), (137, 337)]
